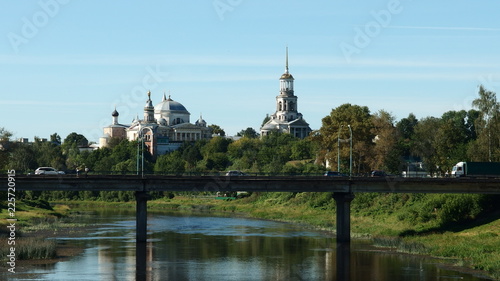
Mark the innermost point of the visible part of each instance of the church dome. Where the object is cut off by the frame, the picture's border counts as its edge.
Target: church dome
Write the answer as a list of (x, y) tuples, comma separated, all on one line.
[(286, 76), (114, 113), (169, 105)]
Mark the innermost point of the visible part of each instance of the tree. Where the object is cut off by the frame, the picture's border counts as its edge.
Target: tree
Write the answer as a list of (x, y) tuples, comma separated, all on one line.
[(302, 149), (23, 158), (451, 139), (78, 139), (385, 154), (406, 131), (55, 139), (335, 126), (488, 123), (244, 153), (424, 143), (49, 154), (4, 147), (217, 130), (248, 133), (4, 135), (215, 145)]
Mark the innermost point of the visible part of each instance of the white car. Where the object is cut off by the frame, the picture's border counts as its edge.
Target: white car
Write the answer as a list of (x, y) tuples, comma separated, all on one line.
[(48, 171)]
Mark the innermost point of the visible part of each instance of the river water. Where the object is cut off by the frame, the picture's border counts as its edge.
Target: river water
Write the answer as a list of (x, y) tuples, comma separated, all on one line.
[(206, 247)]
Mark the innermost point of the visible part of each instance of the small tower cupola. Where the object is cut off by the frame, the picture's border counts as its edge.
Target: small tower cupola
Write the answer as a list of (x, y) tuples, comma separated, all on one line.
[(115, 114), (149, 110)]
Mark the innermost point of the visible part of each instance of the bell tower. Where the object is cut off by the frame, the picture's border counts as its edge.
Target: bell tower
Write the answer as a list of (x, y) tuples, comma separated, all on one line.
[(286, 101)]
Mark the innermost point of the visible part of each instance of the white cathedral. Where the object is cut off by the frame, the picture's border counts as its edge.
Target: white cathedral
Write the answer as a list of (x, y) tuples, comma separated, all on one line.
[(286, 119), (164, 127)]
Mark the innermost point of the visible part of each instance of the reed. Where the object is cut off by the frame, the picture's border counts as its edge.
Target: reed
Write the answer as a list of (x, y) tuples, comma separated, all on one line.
[(28, 248)]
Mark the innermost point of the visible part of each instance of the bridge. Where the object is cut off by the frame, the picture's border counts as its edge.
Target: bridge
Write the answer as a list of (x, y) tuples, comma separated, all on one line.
[(343, 188)]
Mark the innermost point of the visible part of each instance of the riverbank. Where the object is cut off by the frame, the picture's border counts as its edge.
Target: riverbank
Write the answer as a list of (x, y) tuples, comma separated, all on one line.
[(34, 226)]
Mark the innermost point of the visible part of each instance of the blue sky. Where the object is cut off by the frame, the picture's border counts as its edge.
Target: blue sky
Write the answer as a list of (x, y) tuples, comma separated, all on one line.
[(66, 64)]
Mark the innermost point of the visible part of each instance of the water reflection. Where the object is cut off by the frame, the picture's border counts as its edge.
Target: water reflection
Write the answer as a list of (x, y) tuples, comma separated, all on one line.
[(219, 248)]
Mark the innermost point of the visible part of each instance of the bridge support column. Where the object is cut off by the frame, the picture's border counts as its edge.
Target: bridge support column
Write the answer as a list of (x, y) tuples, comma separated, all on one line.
[(343, 200), (141, 198)]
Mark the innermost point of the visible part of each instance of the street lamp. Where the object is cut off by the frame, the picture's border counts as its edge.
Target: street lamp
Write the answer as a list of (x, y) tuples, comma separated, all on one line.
[(138, 145), (140, 135), (338, 149), (350, 153)]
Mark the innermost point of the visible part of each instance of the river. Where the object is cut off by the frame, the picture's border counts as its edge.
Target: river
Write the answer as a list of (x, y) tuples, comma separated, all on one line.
[(208, 247)]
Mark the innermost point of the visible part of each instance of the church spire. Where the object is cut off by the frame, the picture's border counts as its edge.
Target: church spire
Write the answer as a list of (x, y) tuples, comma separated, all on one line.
[(286, 80), (286, 61)]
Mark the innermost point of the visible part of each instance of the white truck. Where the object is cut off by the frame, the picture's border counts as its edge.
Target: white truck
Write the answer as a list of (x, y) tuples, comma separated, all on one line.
[(476, 169)]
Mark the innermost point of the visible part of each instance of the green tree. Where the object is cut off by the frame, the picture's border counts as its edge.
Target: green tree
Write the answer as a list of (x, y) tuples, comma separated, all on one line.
[(248, 133), (4, 148), (453, 136), (55, 139), (216, 145), (23, 158), (335, 126), (49, 154), (406, 131), (488, 125), (243, 153), (303, 149), (216, 129), (78, 139), (191, 154), (276, 150), (386, 154), (424, 144), (170, 163)]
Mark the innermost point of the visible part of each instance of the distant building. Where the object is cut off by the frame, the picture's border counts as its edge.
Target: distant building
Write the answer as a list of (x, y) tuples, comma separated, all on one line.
[(164, 127), (286, 118)]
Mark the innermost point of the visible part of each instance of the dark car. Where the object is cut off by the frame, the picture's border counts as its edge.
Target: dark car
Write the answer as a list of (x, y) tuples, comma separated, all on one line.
[(234, 173), (333, 174), (378, 173)]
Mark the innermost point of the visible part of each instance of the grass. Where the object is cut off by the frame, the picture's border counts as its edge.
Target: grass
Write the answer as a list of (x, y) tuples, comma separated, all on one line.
[(27, 248), (32, 218)]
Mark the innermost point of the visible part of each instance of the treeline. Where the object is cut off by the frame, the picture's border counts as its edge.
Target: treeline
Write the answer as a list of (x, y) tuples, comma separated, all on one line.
[(349, 135), (378, 142)]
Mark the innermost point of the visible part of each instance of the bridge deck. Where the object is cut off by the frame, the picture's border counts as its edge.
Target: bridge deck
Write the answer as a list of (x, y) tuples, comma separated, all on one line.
[(258, 184)]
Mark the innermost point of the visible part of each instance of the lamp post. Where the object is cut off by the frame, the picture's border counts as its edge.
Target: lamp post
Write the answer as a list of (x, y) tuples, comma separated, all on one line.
[(350, 153), (338, 149), (138, 150)]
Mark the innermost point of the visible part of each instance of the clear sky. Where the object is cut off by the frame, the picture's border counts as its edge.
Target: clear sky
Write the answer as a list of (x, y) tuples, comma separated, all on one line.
[(65, 65)]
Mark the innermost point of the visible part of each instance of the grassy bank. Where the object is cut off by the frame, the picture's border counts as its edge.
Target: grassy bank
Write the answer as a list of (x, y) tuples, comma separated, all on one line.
[(36, 220)]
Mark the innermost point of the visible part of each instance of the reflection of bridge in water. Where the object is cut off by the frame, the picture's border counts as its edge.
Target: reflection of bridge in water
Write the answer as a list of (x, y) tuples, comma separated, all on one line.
[(343, 192)]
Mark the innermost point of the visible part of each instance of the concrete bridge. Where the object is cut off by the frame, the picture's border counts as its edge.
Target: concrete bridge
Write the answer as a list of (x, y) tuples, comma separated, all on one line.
[(342, 187)]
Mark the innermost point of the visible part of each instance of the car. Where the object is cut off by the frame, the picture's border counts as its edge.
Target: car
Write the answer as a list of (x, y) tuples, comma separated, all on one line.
[(234, 173), (333, 174), (378, 173), (48, 171)]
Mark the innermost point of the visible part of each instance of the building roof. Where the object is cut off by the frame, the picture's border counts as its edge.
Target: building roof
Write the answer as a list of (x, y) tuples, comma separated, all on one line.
[(169, 105)]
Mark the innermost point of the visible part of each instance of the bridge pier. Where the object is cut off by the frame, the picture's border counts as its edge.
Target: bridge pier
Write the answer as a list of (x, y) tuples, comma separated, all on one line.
[(343, 201), (141, 199)]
